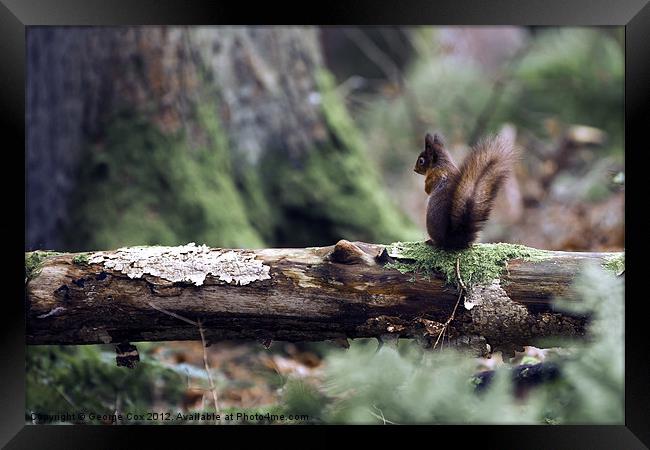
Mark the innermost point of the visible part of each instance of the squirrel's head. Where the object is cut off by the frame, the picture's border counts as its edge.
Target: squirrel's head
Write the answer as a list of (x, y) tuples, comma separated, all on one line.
[(433, 152)]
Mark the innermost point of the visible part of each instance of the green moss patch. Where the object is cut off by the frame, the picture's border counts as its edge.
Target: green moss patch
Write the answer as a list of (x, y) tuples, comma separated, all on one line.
[(615, 264), (81, 259), (479, 263), (34, 262)]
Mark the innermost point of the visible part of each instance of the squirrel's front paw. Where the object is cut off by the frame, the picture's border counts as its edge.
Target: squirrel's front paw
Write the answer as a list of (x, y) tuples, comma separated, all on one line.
[(430, 242)]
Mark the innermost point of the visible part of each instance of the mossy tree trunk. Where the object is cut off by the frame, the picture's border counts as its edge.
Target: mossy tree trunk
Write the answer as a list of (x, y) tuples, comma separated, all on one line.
[(229, 136), (348, 290)]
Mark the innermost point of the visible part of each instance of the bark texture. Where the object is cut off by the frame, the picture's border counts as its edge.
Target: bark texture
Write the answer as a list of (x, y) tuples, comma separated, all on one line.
[(311, 294)]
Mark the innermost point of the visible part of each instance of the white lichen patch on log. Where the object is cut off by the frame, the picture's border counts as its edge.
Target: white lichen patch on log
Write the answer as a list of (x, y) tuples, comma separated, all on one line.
[(185, 263), (54, 312)]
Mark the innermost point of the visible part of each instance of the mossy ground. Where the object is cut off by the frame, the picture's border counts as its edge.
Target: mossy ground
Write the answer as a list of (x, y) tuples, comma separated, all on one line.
[(479, 263)]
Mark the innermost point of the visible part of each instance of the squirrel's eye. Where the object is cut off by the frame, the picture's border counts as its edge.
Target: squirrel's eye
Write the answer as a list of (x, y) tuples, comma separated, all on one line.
[(421, 160)]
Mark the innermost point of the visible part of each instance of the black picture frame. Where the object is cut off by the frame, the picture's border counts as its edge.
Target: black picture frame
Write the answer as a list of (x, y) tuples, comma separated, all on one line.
[(16, 15)]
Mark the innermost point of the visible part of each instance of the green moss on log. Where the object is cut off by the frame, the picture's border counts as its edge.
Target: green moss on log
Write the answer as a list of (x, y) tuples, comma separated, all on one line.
[(81, 259), (615, 264), (479, 263), (34, 262)]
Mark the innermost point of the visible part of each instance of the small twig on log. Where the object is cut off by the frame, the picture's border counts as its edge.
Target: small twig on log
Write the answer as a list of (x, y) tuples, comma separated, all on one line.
[(169, 313), (462, 288), (460, 280), (213, 389), (203, 344)]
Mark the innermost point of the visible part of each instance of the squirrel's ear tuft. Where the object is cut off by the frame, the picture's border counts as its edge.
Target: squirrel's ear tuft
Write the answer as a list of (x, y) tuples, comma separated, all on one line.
[(431, 141)]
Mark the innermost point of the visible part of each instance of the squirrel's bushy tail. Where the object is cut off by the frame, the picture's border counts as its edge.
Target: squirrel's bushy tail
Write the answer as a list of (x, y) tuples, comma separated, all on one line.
[(480, 177)]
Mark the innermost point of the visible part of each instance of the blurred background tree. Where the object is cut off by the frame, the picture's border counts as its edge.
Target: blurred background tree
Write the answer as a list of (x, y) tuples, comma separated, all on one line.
[(224, 136), (300, 136)]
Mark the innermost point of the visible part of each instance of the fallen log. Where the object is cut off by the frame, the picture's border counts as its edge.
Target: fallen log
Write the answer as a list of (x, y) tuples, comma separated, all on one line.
[(350, 290)]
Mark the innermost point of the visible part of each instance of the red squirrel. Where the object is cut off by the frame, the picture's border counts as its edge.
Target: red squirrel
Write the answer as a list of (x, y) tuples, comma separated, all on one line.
[(460, 200)]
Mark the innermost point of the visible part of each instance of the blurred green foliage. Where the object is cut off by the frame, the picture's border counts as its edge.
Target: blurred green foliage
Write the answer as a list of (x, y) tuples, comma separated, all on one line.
[(593, 384), (408, 385), (63, 379), (575, 75), (567, 75)]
